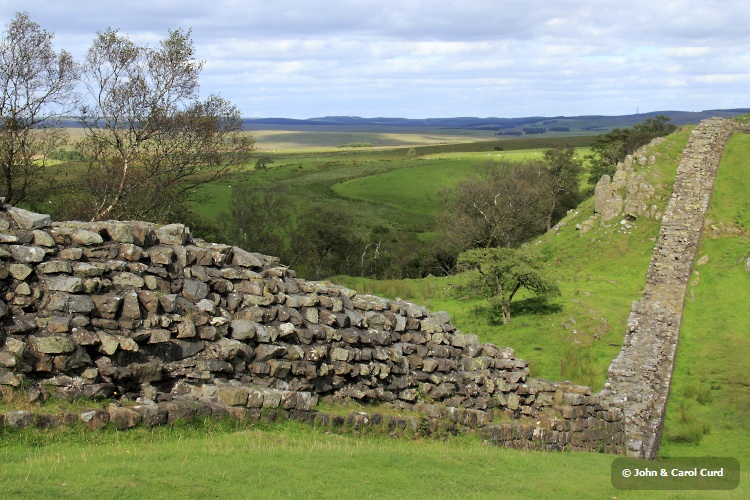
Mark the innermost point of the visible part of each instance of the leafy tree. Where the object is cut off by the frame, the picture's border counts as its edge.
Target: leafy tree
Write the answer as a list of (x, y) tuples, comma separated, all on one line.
[(36, 89), (564, 186), (504, 205), (326, 242), (263, 162), (149, 140), (501, 272), (610, 148), (261, 218)]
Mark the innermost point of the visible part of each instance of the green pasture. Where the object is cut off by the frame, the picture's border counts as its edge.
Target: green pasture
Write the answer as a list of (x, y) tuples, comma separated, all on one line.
[(228, 460)]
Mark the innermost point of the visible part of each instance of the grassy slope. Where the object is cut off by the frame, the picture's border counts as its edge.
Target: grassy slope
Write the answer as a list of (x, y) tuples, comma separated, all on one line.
[(709, 406), (600, 274)]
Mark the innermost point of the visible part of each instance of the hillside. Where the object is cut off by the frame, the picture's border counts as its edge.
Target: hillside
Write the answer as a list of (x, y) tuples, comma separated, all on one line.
[(575, 125)]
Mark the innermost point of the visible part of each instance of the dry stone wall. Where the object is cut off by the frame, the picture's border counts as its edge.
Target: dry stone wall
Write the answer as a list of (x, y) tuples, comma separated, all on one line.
[(641, 374), (140, 312)]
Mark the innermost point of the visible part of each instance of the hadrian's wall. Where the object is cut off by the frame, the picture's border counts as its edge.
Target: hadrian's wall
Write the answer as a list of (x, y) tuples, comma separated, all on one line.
[(641, 374), (138, 312)]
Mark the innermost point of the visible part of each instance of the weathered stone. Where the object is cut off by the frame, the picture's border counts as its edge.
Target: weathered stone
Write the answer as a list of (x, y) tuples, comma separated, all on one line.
[(123, 418), (63, 284), (20, 271), (29, 220), (264, 352), (18, 419), (43, 239), (244, 258), (54, 344), (131, 253), (86, 238), (107, 306), (95, 419), (27, 253), (233, 396), (55, 267), (173, 234), (194, 290), (128, 280)]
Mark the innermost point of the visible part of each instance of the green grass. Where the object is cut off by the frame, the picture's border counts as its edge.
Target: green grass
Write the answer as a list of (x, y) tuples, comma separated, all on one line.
[(574, 337), (708, 413), (225, 460)]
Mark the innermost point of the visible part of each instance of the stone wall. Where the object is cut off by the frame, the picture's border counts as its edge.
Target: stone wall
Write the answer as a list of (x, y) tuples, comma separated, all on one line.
[(640, 376), (135, 311)]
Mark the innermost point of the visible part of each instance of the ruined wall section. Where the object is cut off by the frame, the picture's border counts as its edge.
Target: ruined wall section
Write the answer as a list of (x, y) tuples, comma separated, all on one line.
[(135, 311), (641, 374)]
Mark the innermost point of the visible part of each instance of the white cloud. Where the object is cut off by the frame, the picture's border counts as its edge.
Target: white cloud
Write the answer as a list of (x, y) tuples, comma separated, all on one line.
[(427, 58)]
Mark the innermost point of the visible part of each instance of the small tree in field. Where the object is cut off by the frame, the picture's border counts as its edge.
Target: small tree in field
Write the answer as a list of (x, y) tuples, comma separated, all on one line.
[(501, 272), (149, 140), (36, 89)]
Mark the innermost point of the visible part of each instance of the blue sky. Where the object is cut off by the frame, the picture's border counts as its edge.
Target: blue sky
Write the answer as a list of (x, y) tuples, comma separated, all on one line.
[(420, 59)]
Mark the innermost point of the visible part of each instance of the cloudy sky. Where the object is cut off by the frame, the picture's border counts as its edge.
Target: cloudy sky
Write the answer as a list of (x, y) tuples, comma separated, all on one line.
[(438, 58)]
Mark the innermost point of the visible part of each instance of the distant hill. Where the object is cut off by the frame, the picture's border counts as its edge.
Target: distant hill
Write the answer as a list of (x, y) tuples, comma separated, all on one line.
[(590, 124)]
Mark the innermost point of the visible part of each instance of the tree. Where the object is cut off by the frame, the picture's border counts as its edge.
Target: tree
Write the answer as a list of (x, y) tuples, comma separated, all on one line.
[(149, 140), (564, 186), (504, 205), (37, 88), (610, 148), (262, 218), (501, 272), (263, 162), (326, 242)]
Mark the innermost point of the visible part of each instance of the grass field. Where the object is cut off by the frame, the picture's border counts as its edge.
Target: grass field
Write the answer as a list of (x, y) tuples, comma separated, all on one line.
[(223, 460)]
